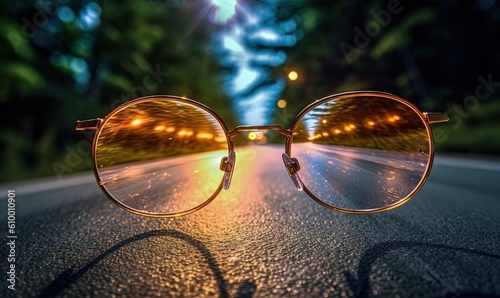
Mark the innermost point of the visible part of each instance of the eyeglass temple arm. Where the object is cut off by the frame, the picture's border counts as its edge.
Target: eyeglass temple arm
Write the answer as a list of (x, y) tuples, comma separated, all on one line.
[(433, 118), (91, 124)]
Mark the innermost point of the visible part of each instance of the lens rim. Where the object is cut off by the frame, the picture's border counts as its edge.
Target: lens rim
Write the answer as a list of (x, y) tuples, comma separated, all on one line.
[(173, 99), (340, 96)]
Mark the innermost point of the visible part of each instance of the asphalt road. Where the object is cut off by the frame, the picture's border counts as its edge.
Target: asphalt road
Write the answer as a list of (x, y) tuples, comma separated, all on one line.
[(260, 238)]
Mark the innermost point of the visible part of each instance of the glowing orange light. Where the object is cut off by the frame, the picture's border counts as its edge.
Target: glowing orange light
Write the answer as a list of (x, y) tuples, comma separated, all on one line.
[(324, 121), (391, 119), (182, 133), (159, 128), (352, 126), (347, 128), (220, 139), (281, 103), (371, 123), (325, 134), (170, 129), (293, 75), (136, 122), (204, 136), (396, 117), (337, 131)]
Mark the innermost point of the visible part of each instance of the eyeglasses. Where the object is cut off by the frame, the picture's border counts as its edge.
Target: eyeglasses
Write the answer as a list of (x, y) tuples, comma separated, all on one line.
[(357, 152)]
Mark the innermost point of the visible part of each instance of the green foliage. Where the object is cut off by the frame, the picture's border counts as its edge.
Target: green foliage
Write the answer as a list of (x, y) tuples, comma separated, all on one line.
[(478, 132), (400, 37)]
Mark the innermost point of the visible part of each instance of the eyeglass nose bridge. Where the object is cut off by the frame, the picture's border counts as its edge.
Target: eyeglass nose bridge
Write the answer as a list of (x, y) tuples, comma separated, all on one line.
[(291, 164)]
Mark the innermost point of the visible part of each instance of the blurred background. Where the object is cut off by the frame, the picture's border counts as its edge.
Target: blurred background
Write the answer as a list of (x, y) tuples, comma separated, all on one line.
[(252, 62)]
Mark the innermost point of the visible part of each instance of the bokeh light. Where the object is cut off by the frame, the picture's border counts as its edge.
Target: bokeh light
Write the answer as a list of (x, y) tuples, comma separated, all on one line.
[(293, 75), (281, 103)]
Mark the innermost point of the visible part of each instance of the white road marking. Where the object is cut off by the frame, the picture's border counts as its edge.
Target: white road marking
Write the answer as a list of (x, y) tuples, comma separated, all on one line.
[(44, 184)]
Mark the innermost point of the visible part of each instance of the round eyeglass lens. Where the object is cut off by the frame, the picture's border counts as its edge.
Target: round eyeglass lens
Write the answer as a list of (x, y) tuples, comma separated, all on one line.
[(362, 153), (161, 156)]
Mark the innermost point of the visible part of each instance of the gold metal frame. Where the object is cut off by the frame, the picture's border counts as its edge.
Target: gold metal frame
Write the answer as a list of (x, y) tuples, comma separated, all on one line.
[(293, 167)]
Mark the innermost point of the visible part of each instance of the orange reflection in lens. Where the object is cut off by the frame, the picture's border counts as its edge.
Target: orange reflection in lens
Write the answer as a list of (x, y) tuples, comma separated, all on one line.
[(151, 167), (185, 133), (205, 136), (220, 139)]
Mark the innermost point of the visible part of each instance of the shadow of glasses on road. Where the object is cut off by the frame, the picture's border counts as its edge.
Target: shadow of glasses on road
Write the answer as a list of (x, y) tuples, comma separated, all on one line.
[(69, 276), (361, 285)]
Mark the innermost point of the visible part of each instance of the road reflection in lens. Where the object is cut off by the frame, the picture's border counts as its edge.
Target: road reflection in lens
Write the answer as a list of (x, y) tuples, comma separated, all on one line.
[(361, 153), (161, 156)]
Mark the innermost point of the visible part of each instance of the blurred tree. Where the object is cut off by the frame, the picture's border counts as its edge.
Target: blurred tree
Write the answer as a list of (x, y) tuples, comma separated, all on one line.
[(249, 45), (68, 60), (435, 54)]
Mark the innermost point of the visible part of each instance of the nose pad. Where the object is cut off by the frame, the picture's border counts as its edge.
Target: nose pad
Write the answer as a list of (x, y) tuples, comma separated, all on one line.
[(292, 167), (227, 165)]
